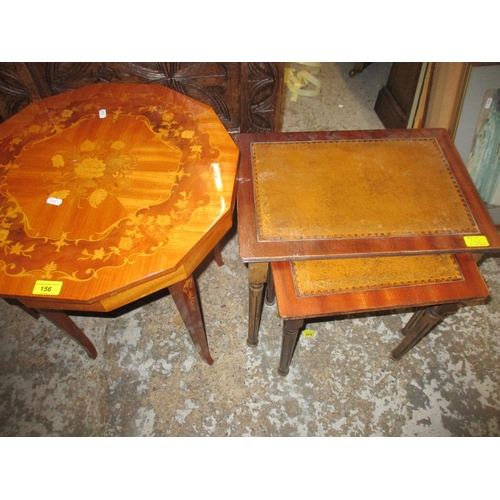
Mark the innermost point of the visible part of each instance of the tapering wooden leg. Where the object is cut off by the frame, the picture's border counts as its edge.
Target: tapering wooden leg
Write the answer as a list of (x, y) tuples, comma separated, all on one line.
[(186, 299), (257, 275), (420, 324), (67, 325), (270, 290), (218, 255), (291, 329), (32, 312)]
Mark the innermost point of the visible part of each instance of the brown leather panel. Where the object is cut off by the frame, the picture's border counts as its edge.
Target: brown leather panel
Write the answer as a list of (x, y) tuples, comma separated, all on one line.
[(356, 188), (319, 277)]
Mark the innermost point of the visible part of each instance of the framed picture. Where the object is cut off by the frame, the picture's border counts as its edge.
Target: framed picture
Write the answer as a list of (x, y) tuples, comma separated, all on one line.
[(478, 78), (477, 133), (484, 158)]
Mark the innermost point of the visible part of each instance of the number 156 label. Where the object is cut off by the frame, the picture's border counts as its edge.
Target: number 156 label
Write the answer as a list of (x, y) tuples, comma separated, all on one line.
[(47, 287)]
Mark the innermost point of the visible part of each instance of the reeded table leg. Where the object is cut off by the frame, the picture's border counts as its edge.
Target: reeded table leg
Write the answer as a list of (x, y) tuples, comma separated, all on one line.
[(420, 324), (186, 299), (270, 290), (67, 325), (291, 329), (257, 276)]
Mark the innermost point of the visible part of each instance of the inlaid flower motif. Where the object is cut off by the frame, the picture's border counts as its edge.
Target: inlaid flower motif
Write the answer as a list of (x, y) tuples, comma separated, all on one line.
[(16, 249), (117, 145), (49, 270), (163, 220), (187, 134), (57, 161), (87, 146), (167, 117), (126, 243), (98, 254), (90, 168), (67, 113), (4, 234)]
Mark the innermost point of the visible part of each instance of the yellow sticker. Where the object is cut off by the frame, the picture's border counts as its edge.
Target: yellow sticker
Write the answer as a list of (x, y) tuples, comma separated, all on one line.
[(47, 287), (309, 334), (476, 241)]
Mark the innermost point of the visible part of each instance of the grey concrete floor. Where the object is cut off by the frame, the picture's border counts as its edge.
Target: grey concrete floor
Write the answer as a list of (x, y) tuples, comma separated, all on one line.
[(149, 381)]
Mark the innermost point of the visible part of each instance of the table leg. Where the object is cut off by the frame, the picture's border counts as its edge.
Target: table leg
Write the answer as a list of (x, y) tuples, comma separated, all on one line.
[(291, 329), (217, 253), (270, 290), (27, 310), (67, 325), (186, 299), (420, 324), (257, 276)]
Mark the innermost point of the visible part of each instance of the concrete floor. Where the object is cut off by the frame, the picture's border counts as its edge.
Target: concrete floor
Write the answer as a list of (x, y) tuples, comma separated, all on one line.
[(149, 381)]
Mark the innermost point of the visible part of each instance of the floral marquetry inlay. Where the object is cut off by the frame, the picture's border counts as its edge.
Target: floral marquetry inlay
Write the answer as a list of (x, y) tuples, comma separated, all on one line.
[(100, 177)]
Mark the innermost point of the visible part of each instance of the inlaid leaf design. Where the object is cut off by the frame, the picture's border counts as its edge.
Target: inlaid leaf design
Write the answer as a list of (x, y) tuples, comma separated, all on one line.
[(97, 197)]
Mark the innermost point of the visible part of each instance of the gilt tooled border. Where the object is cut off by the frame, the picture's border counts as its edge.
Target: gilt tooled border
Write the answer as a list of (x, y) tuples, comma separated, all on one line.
[(389, 284)]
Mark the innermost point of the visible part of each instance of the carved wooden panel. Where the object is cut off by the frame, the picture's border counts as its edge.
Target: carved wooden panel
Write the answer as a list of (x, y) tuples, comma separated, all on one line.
[(245, 96), (261, 85), (17, 89)]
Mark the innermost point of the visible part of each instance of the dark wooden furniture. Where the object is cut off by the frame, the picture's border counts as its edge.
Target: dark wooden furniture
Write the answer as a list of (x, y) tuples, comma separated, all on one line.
[(109, 193), (246, 96), (396, 99), (353, 194), (436, 284)]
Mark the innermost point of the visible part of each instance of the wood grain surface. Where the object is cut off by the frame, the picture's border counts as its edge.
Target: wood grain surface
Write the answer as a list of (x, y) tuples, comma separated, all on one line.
[(110, 192)]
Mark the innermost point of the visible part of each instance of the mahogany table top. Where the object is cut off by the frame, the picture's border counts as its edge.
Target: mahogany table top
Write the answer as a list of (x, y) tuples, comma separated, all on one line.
[(357, 193), (109, 187)]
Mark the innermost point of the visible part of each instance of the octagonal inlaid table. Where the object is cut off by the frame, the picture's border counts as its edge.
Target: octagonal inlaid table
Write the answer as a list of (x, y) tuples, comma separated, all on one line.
[(108, 194)]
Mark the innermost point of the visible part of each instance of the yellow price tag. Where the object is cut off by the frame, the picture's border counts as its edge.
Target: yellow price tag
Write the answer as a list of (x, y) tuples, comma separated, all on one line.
[(47, 287), (476, 241), (309, 334)]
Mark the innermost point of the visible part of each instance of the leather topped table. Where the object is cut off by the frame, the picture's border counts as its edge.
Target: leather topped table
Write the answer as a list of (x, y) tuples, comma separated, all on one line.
[(318, 195), (108, 194)]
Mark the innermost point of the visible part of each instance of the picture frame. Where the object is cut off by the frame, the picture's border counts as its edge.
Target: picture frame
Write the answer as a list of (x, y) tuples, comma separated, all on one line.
[(478, 78)]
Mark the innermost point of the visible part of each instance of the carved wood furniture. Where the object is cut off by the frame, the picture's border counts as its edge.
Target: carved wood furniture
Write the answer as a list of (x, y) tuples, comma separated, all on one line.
[(437, 284), (353, 194), (245, 96), (108, 194)]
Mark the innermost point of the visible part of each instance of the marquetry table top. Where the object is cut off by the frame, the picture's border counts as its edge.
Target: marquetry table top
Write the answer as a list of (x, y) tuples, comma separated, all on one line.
[(357, 193), (110, 186)]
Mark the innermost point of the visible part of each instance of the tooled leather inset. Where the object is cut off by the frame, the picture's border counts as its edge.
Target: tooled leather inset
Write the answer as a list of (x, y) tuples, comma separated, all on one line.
[(320, 277), (356, 188)]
